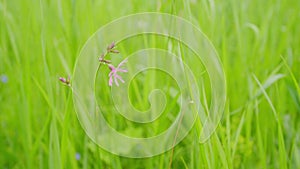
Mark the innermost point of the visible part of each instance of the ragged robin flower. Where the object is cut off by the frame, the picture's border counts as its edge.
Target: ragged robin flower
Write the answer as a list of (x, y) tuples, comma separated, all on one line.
[(113, 75)]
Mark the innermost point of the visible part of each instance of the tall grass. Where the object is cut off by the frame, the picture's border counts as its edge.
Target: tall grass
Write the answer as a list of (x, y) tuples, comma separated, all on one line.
[(258, 43)]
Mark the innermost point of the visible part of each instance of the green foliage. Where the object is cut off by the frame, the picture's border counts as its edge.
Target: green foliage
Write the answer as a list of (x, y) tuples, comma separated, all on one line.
[(258, 43)]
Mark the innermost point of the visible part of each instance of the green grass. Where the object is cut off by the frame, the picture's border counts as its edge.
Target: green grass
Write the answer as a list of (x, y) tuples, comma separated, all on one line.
[(259, 46)]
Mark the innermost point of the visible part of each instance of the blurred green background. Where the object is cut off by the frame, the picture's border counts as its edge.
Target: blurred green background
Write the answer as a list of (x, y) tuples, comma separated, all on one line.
[(258, 43)]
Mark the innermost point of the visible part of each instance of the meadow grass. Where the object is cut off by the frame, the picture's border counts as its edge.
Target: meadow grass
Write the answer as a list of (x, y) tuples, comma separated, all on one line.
[(259, 46)]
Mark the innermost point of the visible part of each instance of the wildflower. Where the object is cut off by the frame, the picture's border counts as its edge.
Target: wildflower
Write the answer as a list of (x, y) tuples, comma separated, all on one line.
[(114, 51), (102, 60), (77, 156), (66, 81), (113, 75), (110, 49), (4, 78), (111, 46)]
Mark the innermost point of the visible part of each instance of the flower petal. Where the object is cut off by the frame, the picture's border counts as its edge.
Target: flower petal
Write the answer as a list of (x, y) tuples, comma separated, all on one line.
[(111, 67), (116, 80), (110, 81), (122, 63), (122, 70), (120, 78)]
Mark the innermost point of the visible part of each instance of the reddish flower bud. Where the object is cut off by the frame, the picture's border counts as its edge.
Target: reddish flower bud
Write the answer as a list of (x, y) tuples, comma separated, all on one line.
[(111, 46), (65, 81), (114, 51)]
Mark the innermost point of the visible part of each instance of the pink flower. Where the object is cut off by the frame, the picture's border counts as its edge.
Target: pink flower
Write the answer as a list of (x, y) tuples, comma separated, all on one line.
[(113, 75)]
